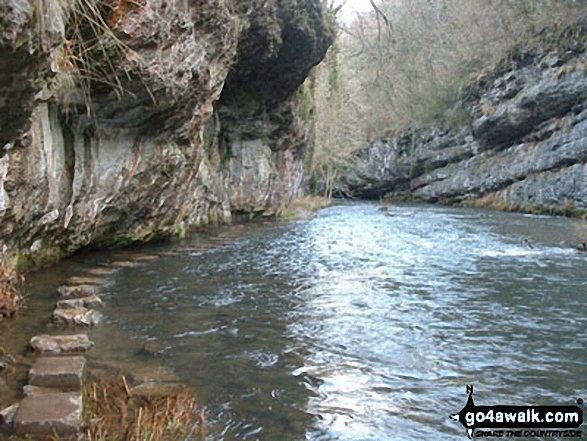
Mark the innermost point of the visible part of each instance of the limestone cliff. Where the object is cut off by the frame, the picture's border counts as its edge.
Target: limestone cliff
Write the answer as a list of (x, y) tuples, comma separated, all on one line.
[(126, 120), (520, 141)]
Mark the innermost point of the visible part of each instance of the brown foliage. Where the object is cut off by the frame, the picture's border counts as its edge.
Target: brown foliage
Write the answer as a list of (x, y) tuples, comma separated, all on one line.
[(11, 296), (112, 412)]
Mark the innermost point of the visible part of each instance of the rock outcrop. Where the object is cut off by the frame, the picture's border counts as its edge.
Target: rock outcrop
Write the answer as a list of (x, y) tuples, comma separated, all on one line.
[(523, 145), (123, 121)]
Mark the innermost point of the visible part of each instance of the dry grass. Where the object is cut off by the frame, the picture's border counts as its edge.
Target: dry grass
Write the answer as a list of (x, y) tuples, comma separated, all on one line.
[(112, 413), (303, 208)]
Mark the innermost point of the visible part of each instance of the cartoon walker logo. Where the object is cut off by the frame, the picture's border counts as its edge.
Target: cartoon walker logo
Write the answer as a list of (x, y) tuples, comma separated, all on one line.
[(519, 421)]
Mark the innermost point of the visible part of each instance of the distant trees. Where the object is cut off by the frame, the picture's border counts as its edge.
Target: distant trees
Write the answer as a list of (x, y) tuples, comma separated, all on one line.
[(404, 63)]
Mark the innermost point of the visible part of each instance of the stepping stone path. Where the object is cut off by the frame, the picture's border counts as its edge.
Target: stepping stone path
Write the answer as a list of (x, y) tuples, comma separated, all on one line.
[(53, 399), (53, 405)]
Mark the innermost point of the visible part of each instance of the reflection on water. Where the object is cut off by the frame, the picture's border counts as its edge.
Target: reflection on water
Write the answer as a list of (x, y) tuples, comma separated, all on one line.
[(358, 324)]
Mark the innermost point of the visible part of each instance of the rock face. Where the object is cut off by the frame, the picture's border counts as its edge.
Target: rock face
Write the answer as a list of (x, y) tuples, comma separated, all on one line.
[(525, 146), (163, 116)]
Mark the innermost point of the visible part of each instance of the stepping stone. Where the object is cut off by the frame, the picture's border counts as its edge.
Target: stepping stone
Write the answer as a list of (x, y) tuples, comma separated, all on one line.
[(57, 413), (85, 302), (59, 372), (84, 281), (60, 344), (76, 317), (125, 264), (146, 258), (101, 271), (74, 292)]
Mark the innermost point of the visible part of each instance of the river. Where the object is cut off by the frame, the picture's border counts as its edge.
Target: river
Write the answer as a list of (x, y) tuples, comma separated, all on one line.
[(358, 324)]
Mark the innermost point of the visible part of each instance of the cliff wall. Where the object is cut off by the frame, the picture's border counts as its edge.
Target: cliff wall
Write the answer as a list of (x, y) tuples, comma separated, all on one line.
[(123, 121), (517, 140)]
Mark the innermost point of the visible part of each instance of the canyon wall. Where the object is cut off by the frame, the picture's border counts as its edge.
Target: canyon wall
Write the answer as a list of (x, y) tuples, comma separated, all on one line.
[(124, 121)]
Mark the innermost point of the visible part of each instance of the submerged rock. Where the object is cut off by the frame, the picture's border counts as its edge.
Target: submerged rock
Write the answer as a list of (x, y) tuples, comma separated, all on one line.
[(60, 344)]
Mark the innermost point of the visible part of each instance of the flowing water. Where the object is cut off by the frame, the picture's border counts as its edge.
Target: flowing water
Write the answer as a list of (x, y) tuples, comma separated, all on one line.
[(358, 324)]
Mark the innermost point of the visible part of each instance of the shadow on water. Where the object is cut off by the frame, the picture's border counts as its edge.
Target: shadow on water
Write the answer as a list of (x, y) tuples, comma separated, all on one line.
[(355, 325)]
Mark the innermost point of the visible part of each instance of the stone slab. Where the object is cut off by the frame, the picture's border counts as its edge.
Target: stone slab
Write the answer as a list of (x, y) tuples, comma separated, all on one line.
[(60, 344), (64, 373), (57, 413), (81, 302), (76, 317)]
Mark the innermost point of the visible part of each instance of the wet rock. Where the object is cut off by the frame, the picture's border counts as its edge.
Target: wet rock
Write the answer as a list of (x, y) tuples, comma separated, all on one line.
[(61, 344), (52, 414), (82, 302), (63, 373), (76, 291), (7, 415), (76, 317)]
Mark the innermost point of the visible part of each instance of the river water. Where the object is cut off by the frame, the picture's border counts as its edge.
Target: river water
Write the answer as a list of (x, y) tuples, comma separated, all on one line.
[(358, 324)]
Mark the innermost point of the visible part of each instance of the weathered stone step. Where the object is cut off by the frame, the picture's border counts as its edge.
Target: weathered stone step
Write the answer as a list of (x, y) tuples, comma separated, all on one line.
[(61, 344), (63, 373), (82, 302), (79, 316), (50, 414)]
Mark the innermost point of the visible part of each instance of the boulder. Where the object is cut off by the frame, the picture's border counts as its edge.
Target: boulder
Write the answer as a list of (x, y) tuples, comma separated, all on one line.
[(61, 344)]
